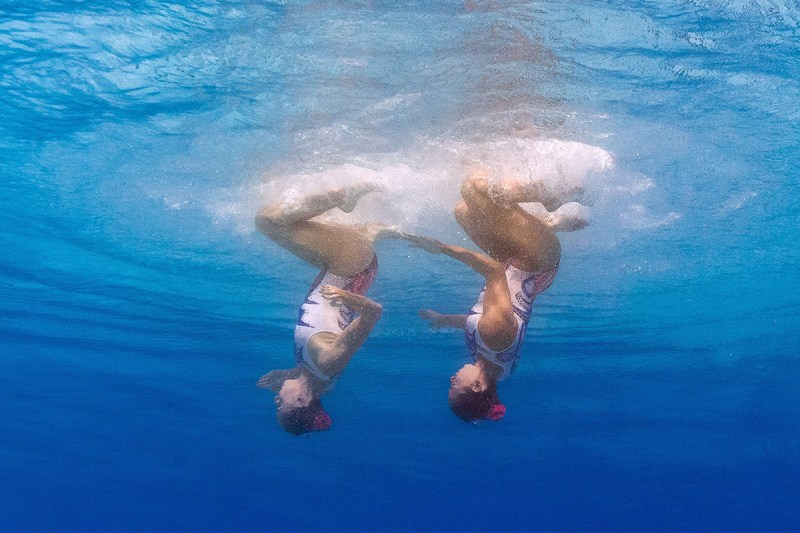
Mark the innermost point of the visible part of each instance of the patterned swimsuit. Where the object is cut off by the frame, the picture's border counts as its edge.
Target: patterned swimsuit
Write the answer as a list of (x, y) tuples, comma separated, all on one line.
[(523, 287), (317, 315)]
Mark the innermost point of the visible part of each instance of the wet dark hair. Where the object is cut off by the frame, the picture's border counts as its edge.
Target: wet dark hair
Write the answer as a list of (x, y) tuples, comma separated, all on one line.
[(305, 419), (472, 406)]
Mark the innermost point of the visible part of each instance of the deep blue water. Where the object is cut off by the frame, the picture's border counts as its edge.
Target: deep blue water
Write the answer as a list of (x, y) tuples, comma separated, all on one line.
[(659, 387)]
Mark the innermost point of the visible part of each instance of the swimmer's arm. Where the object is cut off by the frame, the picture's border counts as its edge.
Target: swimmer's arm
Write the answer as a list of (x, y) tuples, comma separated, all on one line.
[(480, 263), (274, 379), (336, 357), (439, 320)]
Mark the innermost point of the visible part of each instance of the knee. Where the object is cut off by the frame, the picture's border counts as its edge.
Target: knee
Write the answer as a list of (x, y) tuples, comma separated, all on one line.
[(268, 220), (475, 187), (461, 212)]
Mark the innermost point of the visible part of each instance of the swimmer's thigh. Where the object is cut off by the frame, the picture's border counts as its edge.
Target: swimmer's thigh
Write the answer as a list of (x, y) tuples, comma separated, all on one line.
[(344, 251)]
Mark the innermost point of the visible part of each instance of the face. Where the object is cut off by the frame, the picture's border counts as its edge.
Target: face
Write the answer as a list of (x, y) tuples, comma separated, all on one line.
[(292, 395), (467, 378)]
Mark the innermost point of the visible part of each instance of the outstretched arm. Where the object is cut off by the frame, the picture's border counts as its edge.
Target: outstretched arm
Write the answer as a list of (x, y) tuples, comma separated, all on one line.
[(439, 320), (274, 379), (336, 356), (497, 326), (480, 263)]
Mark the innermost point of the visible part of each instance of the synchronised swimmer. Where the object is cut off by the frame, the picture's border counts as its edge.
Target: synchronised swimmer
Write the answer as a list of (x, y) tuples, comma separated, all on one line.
[(520, 260)]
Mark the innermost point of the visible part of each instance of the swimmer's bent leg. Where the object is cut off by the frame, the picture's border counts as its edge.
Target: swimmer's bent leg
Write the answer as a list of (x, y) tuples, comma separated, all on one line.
[(506, 233), (343, 250)]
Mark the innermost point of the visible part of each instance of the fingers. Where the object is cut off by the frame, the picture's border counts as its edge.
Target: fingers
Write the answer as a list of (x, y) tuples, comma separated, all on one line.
[(428, 244), (431, 316), (339, 296), (332, 294), (264, 382), (330, 291)]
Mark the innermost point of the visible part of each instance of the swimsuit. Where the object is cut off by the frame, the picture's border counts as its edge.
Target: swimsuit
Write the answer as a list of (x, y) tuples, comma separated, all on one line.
[(523, 287), (317, 314)]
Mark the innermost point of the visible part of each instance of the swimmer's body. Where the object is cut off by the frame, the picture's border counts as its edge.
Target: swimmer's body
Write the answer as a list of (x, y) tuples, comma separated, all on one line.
[(328, 332), (522, 254)]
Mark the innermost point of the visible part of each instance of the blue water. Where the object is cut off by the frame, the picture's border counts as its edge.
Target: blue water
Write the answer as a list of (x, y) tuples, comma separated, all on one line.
[(659, 387)]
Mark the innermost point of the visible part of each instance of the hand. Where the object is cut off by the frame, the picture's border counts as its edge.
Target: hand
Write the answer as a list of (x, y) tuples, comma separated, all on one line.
[(428, 244), (266, 381), (272, 380), (335, 295), (431, 316), (339, 297)]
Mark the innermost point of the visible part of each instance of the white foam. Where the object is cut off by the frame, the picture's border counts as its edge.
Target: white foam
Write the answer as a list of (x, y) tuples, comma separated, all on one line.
[(738, 201), (640, 217), (422, 186), (557, 163)]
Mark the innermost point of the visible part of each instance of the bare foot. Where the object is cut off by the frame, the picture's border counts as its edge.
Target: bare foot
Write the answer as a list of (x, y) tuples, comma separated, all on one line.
[(555, 197), (353, 193), (506, 193), (571, 216), (576, 193)]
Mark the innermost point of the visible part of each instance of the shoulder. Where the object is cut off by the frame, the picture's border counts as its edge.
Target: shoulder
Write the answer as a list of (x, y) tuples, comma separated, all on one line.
[(498, 331), (321, 349), (320, 343)]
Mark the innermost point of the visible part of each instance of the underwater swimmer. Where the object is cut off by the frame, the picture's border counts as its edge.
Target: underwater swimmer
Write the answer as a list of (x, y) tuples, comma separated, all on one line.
[(328, 332), (523, 255)]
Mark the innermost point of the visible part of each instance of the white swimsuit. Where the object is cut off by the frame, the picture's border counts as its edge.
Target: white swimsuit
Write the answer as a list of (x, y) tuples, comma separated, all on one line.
[(317, 314), (523, 287)]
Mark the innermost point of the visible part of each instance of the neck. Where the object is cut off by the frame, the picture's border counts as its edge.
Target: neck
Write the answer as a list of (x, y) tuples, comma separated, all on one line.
[(489, 371), (310, 382)]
